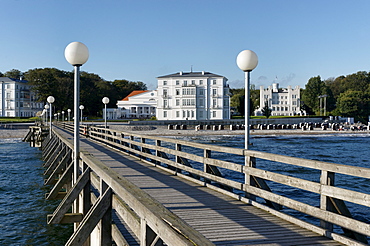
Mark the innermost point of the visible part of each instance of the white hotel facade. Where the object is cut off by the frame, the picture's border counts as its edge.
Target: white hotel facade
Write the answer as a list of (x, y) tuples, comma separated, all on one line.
[(282, 101), (17, 99), (193, 96)]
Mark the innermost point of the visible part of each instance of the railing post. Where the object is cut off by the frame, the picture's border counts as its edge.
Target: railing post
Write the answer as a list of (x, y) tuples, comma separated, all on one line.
[(248, 179), (327, 178), (106, 221), (178, 158), (85, 199), (157, 152), (206, 154), (147, 236)]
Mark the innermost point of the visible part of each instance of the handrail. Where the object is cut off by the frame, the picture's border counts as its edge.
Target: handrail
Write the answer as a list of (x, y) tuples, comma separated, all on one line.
[(331, 210)]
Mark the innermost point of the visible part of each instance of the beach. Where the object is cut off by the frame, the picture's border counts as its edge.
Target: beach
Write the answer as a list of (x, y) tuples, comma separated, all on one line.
[(13, 133), (164, 131)]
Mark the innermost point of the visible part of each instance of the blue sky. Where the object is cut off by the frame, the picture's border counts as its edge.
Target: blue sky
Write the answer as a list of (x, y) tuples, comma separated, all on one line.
[(140, 40)]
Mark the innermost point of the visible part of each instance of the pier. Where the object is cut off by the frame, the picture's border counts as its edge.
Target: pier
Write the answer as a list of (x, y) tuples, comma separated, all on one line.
[(134, 189)]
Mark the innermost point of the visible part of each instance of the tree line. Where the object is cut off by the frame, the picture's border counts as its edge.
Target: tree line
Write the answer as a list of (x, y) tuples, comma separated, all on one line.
[(347, 96), (59, 84)]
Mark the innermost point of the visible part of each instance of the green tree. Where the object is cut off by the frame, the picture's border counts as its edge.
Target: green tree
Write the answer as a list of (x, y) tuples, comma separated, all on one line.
[(266, 110), (355, 104), (310, 96), (14, 74), (237, 99)]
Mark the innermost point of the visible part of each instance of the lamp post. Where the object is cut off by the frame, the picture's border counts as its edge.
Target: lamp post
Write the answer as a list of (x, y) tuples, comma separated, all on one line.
[(105, 101), (46, 115), (81, 108), (62, 116), (69, 114), (247, 60), (76, 54), (58, 114), (50, 100)]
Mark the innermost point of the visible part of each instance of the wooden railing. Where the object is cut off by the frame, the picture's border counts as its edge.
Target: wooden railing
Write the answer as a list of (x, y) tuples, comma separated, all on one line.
[(194, 161), (330, 207)]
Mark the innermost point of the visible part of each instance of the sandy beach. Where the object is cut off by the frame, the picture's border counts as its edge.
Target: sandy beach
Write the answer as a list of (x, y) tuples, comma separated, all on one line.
[(13, 133), (163, 131)]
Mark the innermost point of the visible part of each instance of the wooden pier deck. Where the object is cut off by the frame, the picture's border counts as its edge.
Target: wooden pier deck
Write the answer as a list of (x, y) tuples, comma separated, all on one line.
[(188, 210), (221, 219)]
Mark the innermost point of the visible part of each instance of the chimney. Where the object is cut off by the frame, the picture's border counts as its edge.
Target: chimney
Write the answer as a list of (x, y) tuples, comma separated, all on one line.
[(202, 72), (180, 72)]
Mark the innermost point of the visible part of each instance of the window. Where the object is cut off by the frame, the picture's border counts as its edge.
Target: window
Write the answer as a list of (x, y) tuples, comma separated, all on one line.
[(214, 81), (177, 92), (165, 103), (164, 82), (201, 92), (193, 82), (214, 92), (201, 82), (177, 114), (214, 103), (188, 91), (183, 114), (177, 102), (214, 114), (192, 114), (200, 114), (201, 102), (177, 82), (188, 102), (185, 82), (165, 92), (164, 114)]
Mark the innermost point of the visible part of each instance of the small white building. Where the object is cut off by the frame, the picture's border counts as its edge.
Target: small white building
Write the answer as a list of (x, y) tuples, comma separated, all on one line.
[(282, 101), (193, 96), (17, 99), (138, 105)]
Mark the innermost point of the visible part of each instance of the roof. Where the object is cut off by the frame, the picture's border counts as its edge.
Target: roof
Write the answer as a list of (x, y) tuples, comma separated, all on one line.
[(190, 74), (7, 79), (133, 93)]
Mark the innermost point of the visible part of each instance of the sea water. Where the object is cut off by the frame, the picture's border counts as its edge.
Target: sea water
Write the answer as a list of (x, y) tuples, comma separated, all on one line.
[(23, 208)]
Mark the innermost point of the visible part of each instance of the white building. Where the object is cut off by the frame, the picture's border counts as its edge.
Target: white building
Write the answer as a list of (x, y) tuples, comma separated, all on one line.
[(282, 101), (193, 96), (138, 105), (17, 99)]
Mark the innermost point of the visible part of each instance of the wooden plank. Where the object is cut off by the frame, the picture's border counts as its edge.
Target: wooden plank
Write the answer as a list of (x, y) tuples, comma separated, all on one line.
[(65, 178), (72, 195), (91, 219)]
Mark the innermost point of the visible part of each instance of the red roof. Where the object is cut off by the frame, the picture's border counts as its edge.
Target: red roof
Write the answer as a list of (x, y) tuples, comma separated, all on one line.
[(133, 93)]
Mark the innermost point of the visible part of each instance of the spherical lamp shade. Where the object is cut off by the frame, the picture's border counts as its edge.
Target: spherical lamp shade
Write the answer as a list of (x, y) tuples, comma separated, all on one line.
[(50, 99), (76, 53), (69, 110), (82, 107), (247, 60), (46, 106), (105, 100)]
